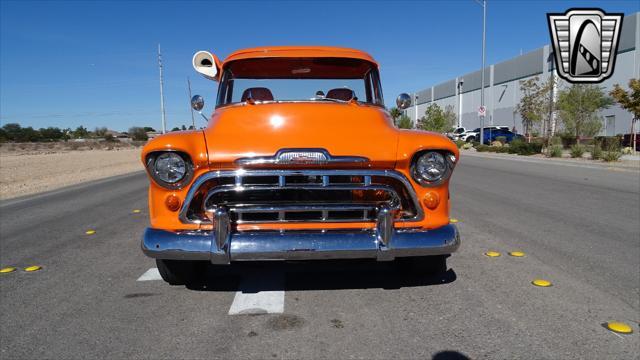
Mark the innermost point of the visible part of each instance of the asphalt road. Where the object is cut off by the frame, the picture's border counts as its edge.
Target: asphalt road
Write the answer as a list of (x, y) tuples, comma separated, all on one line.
[(579, 228)]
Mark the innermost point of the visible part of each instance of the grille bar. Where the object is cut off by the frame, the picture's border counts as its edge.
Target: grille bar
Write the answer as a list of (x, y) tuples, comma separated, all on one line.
[(281, 196)]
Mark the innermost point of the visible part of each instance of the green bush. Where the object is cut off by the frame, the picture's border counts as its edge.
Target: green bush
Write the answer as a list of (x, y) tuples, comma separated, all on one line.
[(577, 151), (502, 149), (482, 148), (460, 143), (596, 153), (555, 151), (502, 139), (522, 148), (467, 146), (610, 143), (610, 156), (556, 140)]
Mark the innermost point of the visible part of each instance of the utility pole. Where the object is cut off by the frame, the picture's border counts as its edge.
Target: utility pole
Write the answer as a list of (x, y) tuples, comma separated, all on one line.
[(193, 120), (460, 82), (164, 122)]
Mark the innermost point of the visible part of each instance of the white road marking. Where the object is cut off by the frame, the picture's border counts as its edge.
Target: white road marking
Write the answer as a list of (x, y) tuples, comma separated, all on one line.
[(151, 274), (259, 293)]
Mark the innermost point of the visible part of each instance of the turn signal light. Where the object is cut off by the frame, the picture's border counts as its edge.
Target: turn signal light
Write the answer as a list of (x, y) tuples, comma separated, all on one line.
[(172, 202), (431, 200)]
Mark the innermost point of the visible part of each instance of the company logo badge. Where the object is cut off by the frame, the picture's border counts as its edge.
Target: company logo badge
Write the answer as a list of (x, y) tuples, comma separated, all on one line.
[(585, 42)]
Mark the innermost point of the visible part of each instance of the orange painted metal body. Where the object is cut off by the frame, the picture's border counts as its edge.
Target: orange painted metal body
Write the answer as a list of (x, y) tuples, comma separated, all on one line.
[(351, 129)]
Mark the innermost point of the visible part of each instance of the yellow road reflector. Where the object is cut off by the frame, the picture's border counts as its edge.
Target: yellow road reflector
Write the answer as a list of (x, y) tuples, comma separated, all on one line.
[(516, 253), (492, 254), (453, 221), (136, 211), (541, 282), (7, 270), (619, 327), (90, 232), (32, 268)]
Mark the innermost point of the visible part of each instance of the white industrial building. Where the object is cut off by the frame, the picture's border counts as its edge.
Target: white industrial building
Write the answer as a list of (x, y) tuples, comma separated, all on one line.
[(502, 85)]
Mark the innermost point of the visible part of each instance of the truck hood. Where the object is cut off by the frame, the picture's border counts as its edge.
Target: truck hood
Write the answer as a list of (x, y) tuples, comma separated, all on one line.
[(260, 130)]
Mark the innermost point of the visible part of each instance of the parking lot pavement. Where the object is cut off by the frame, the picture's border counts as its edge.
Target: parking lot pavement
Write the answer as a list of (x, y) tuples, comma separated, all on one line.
[(98, 296)]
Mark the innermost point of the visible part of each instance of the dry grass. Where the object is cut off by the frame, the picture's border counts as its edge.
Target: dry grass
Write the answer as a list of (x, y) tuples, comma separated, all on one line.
[(36, 167)]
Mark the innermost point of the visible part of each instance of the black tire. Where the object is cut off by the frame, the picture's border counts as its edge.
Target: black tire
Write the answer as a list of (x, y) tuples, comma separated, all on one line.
[(471, 139), (179, 272), (426, 265)]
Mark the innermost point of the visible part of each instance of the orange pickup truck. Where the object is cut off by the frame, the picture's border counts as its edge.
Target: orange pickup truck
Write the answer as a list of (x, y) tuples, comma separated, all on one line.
[(300, 161)]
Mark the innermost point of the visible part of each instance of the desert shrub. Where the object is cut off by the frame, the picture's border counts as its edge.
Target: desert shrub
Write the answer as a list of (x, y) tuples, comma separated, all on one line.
[(467, 146), (502, 150), (501, 139), (138, 134), (522, 148), (496, 143), (577, 151), (608, 142), (554, 151), (475, 143), (610, 156), (482, 148), (627, 150), (460, 143), (596, 152)]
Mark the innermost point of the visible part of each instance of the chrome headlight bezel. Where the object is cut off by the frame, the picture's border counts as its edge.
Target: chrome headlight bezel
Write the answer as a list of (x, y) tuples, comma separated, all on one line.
[(449, 163), (178, 184)]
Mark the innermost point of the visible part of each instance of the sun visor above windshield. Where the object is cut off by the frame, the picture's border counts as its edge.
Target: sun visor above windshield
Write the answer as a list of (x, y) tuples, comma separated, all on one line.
[(300, 68)]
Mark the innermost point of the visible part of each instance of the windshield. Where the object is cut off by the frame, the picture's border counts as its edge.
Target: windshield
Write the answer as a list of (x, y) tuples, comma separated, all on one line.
[(300, 79)]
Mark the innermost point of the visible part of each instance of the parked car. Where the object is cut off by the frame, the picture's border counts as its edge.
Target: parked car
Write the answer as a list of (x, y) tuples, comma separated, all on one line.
[(286, 172), (474, 135), (456, 133), (491, 135)]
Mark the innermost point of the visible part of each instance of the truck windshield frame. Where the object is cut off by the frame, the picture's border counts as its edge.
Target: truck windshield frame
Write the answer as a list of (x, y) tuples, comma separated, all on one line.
[(300, 80)]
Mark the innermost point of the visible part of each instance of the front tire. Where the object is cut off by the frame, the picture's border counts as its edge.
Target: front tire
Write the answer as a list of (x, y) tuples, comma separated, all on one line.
[(178, 272), (471, 139)]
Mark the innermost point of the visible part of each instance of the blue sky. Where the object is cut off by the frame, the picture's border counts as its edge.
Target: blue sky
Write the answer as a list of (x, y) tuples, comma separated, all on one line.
[(94, 63)]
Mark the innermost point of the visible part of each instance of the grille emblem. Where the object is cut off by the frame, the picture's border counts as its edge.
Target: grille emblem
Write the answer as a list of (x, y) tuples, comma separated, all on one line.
[(585, 43), (302, 157)]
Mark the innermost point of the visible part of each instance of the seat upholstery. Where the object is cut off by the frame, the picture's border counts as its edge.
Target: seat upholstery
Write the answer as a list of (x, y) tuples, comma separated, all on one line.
[(257, 94), (341, 94)]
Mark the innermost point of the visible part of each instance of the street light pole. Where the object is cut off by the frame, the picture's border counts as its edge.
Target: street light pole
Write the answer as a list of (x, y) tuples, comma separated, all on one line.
[(484, 32), (460, 82)]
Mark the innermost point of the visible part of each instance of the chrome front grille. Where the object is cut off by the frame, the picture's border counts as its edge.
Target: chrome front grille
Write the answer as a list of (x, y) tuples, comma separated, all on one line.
[(286, 196)]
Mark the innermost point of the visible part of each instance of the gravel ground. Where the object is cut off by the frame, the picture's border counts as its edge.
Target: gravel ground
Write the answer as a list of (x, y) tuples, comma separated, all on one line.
[(24, 174)]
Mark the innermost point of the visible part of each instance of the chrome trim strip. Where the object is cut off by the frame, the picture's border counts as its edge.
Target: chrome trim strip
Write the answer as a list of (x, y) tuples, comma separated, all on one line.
[(316, 156), (212, 175), (300, 245)]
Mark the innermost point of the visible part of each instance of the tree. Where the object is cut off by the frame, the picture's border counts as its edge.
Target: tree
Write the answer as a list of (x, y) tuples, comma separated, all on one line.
[(578, 109), (51, 133), (450, 116), (531, 106), (184, 128), (629, 101), (100, 132), (404, 122), (395, 114), (138, 134), (80, 132), (15, 132), (149, 129), (176, 128), (436, 119)]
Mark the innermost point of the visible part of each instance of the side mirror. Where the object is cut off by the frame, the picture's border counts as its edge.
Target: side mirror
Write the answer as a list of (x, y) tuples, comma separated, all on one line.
[(197, 102), (403, 101)]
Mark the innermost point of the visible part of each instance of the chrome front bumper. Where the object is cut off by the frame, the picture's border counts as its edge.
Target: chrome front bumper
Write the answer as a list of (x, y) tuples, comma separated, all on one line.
[(222, 246)]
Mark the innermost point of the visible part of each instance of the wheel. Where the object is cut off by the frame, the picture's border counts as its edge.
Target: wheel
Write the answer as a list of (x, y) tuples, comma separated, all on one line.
[(471, 139), (179, 272), (426, 265)]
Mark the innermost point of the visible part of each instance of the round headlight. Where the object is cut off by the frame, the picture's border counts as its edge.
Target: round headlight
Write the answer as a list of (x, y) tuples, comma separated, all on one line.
[(170, 167), (430, 167)]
